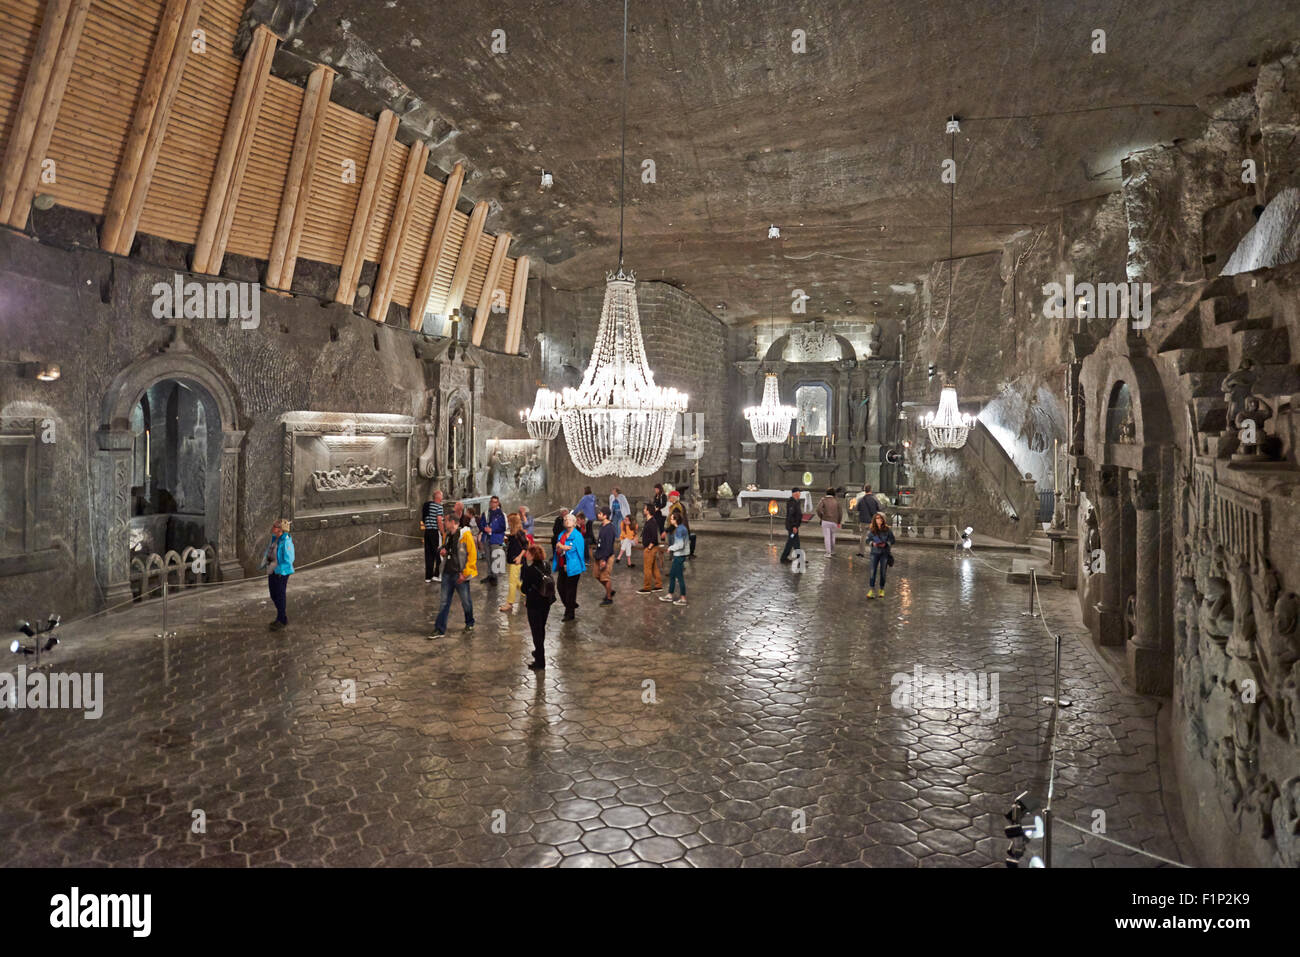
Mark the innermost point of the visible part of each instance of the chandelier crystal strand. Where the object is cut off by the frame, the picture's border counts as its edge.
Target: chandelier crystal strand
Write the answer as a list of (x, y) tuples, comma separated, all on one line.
[(770, 421), (543, 419)]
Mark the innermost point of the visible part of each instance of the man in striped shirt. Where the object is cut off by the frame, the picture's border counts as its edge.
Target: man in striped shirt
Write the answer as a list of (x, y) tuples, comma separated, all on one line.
[(431, 525)]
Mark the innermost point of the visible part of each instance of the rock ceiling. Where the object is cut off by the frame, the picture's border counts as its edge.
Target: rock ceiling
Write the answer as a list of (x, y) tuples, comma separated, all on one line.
[(840, 145)]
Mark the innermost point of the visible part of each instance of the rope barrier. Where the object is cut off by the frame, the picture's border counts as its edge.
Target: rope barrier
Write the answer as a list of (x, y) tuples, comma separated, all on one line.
[(192, 587), (1128, 847)]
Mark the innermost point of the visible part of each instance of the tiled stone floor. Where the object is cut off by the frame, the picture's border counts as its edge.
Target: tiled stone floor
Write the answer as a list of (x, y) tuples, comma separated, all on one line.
[(772, 707)]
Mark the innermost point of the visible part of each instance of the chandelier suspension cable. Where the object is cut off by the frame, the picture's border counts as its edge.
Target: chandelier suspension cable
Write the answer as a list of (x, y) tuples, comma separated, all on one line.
[(622, 160), (952, 212)]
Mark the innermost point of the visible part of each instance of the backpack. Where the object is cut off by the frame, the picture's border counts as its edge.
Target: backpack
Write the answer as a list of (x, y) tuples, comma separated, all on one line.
[(547, 587)]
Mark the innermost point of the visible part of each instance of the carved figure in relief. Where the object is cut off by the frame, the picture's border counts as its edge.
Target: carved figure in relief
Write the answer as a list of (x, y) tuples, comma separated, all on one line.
[(1250, 425), (1236, 387), (1216, 615)]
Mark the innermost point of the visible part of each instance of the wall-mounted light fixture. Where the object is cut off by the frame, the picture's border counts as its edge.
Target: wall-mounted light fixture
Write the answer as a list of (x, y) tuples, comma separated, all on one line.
[(547, 180), (47, 371)]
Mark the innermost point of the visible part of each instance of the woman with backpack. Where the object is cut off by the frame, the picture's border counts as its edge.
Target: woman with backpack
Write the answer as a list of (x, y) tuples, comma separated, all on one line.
[(539, 595), (879, 540), (569, 562), (516, 555)]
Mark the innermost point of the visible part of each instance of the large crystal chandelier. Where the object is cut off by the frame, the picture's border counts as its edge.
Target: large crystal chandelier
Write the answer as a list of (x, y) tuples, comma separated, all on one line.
[(770, 421), (543, 419), (618, 422), (948, 428)]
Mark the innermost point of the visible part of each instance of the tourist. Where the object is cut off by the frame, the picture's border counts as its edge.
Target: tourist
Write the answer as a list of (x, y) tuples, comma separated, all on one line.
[(516, 553), (868, 506), (584, 527), (431, 527), (679, 547), (605, 545), (460, 564), (279, 559), (626, 539), (828, 510), (652, 579), (587, 505), (879, 540), (494, 528), (660, 502), (793, 519), (539, 595), (557, 529), (526, 520), (678, 507), (618, 506), (569, 563)]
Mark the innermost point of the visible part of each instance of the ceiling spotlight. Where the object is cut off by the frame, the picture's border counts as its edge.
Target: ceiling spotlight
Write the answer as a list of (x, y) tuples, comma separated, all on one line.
[(47, 372), (721, 307), (547, 180), (773, 232)]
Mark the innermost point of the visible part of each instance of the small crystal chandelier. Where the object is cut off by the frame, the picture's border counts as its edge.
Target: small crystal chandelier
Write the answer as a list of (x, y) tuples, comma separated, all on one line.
[(618, 422), (949, 427), (770, 422), (543, 419)]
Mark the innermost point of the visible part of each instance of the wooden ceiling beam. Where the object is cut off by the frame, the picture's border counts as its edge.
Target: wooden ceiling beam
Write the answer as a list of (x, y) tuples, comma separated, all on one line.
[(417, 156), (149, 125), (367, 203), (484, 307), (465, 259), (47, 80), (232, 160), (437, 240), (515, 321), (296, 196)]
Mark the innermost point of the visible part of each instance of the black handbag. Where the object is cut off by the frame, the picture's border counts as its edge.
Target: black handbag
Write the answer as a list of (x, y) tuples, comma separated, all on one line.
[(889, 560)]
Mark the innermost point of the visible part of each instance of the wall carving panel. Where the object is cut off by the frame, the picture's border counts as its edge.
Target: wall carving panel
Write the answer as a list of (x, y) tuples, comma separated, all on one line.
[(342, 468)]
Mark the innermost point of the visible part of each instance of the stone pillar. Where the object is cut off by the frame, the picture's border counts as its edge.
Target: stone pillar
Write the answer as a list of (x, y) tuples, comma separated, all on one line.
[(1152, 672), (112, 511), (1110, 611), (748, 465), (228, 540)]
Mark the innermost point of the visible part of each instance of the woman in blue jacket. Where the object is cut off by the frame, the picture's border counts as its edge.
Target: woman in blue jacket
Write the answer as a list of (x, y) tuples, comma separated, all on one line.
[(879, 539), (568, 563), (279, 558)]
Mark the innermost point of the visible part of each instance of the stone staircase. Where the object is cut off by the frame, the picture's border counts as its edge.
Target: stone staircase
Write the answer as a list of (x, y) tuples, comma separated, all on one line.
[(1039, 560)]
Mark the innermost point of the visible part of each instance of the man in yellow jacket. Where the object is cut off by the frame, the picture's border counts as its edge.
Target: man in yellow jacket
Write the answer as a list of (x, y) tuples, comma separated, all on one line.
[(460, 566)]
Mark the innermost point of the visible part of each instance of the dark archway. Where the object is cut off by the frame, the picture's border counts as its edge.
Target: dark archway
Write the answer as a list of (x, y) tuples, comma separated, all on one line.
[(178, 381)]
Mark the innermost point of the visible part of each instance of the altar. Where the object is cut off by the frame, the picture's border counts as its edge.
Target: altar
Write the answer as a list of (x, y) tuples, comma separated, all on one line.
[(764, 495)]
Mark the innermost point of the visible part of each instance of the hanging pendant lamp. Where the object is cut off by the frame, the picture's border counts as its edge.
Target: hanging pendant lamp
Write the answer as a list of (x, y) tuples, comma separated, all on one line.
[(770, 421), (618, 422), (543, 418), (948, 428)]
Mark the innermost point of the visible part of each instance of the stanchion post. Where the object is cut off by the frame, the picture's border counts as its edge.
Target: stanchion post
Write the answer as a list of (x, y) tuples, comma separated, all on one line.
[(165, 633), (1047, 834), (379, 548)]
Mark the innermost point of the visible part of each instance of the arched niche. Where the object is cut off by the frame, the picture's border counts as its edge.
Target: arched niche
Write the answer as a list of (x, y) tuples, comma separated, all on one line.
[(115, 447)]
